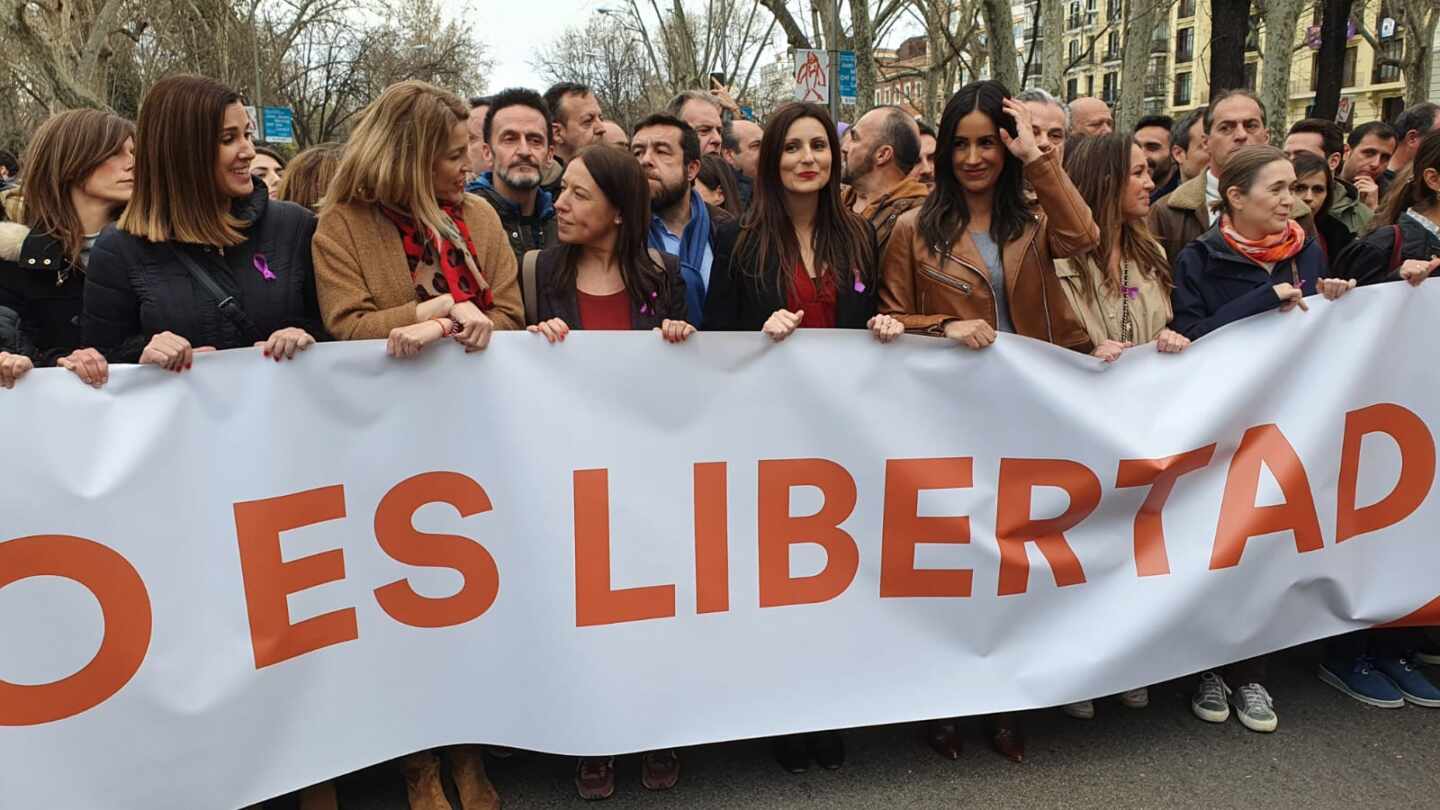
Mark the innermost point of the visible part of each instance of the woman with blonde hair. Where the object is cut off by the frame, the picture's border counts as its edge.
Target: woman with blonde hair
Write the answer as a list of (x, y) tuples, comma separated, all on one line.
[(308, 176), (201, 257), (80, 169), (1120, 289), (402, 253)]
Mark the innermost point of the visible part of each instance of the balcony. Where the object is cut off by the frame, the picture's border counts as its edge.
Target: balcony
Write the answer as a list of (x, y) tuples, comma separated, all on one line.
[(1160, 44)]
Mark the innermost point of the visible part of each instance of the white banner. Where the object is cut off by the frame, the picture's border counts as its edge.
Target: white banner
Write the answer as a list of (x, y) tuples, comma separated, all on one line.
[(211, 591)]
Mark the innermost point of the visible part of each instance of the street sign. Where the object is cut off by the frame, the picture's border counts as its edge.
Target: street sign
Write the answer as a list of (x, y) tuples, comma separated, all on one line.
[(748, 113), (1387, 28), (812, 76), (278, 126), (848, 82)]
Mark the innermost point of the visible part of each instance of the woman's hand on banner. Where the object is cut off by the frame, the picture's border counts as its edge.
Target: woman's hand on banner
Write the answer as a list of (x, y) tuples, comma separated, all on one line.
[(87, 364), (1416, 271), (1290, 297), (12, 368), (782, 324), (1334, 288), (1171, 342), (168, 351), (407, 341), (885, 328), (976, 334), (675, 331), (1110, 350), (554, 330), (284, 344), (475, 326)]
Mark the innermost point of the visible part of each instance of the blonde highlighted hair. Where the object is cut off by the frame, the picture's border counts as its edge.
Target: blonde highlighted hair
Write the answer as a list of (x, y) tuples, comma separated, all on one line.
[(66, 149), (308, 176), (390, 158), (177, 141)]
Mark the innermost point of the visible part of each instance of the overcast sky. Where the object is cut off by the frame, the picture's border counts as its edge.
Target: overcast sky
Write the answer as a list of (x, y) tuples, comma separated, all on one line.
[(513, 30)]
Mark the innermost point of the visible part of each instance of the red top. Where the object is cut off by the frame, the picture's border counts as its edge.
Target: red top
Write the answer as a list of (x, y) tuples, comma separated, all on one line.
[(604, 311), (818, 304)]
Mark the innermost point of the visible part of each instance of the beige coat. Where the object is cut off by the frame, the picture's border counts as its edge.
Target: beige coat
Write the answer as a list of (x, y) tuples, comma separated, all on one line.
[(363, 279), (1100, 308)]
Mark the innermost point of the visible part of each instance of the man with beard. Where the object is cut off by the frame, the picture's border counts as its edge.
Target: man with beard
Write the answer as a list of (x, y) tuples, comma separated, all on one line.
[(924, 171), (683, 225), (880, 152), (1152, 135), (516, 137)]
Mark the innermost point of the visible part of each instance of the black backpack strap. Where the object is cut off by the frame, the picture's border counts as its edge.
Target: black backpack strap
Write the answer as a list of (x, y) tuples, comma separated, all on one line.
[(225, 302)]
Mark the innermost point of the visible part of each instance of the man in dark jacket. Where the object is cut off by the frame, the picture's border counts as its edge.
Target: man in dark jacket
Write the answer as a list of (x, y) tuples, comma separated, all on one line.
[(683, 225), (517, 142), (575, 123)]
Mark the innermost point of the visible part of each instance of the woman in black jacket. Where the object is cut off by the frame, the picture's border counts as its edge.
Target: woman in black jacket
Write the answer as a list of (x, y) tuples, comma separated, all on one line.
[(799, 257), (79, 174), (1405, 243), (1255, 258), (601, 276), (1313, 183), (201, 258)]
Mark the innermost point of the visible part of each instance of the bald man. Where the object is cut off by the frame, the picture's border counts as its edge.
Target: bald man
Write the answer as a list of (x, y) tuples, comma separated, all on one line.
[(1090, 116), (880, 152)]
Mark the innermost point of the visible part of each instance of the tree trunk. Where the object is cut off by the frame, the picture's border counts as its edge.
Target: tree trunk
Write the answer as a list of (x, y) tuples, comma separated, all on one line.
[(864, 45), (1229, 25), (1281, 19), (1419, 17), (1139, 30), (936, 51), (1335, 16), (1000, 29), (1052, 45)]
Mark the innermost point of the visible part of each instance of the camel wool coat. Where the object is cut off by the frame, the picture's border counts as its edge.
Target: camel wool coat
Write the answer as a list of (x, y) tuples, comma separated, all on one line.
[(363, 279)]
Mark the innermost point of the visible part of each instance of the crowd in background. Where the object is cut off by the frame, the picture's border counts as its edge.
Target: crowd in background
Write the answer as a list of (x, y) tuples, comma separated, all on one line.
[(440, 220)]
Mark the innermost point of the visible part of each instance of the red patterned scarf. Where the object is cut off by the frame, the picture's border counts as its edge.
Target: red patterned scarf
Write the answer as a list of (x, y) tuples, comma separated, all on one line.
[(455, 257), (1272, 249)]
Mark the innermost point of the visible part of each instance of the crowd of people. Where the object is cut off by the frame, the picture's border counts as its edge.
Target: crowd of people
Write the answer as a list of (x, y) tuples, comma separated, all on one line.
[(149, 242)]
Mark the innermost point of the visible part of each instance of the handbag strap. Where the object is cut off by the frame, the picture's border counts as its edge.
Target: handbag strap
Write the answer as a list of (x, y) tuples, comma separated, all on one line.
[(225, 302), (527, 286)]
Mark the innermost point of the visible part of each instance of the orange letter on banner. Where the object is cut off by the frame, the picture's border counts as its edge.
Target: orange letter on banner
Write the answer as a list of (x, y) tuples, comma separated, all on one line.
[(1161, 474), (712, 539), (779, 530), (1018, 477), (904, 529), (595, 602), (1241, 519), (399, 539), (269, 579), (124, 604), (1417, 469)]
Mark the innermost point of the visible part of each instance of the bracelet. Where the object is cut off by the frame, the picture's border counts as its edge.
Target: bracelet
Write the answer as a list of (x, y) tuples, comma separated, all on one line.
[(447, 331)]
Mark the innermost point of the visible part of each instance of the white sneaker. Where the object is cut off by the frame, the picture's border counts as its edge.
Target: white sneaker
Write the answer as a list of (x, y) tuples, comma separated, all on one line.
[(1084, 710), (1136, 698)]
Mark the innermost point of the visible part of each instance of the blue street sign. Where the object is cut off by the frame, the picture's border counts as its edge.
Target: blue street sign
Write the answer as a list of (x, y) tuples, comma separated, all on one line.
[(848, 82), (278, 125)]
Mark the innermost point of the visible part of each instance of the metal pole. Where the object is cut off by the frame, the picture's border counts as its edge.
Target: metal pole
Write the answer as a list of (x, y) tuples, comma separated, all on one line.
[(255, 47), (834, 12)]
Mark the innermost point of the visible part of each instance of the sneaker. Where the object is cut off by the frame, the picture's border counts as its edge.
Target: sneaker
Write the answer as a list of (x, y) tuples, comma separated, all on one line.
[(595, 778), (660, 770), (1411, 682), (1430, 653), (1255, 708), (1084, 710), (1136, 698), (828, 748), (1359, 680), (1209, 702)]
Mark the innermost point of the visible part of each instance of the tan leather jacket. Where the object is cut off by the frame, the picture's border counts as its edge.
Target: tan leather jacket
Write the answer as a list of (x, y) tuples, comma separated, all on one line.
[(924, 290)]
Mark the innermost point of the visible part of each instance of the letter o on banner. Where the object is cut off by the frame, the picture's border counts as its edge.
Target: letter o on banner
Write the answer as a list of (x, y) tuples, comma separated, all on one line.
[(124, 604)]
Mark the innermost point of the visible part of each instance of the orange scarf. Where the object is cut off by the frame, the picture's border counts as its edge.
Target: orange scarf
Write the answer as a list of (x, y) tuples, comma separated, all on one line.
[(1272, 249)]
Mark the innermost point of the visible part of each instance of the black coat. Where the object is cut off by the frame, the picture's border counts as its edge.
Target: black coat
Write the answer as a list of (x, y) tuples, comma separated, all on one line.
[(735, 301), (1372, 259), (557, 302), (41, 294), (1334, 237), (136, 289), (1215, 286)]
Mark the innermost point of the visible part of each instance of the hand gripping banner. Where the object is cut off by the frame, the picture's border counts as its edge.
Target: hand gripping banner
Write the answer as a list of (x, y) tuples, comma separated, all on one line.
[(219, 586)]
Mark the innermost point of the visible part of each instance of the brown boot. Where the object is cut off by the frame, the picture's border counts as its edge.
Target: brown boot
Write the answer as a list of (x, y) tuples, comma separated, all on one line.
[(422, 782), (467, 766), (319, 797)]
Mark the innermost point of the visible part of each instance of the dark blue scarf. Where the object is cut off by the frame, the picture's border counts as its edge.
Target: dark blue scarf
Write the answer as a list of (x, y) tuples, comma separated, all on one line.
[(693, 243)]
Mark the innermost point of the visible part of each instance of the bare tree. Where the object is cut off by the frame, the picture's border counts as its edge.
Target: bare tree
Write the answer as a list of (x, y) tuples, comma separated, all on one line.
[(1330, 64), (1139, 28), (1229, 28), (1281, 18), (1000, 30)]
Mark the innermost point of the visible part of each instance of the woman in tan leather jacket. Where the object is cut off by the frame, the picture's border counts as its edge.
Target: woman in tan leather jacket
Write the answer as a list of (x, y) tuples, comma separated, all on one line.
[(977, 258)]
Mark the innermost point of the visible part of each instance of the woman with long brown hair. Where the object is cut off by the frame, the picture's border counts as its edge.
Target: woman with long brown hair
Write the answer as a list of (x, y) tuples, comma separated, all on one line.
[(718, 186), (799, 258), (1120, 290), (402, 253), (80, 170), (602, 275), (201, 257)]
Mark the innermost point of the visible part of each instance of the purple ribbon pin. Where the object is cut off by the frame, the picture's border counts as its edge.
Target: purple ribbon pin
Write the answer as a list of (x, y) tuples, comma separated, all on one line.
[(1132, 293), (262, 266)]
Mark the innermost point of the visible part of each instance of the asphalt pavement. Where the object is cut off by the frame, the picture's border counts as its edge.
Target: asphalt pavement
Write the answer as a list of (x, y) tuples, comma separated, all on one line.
[(1328, 752)]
